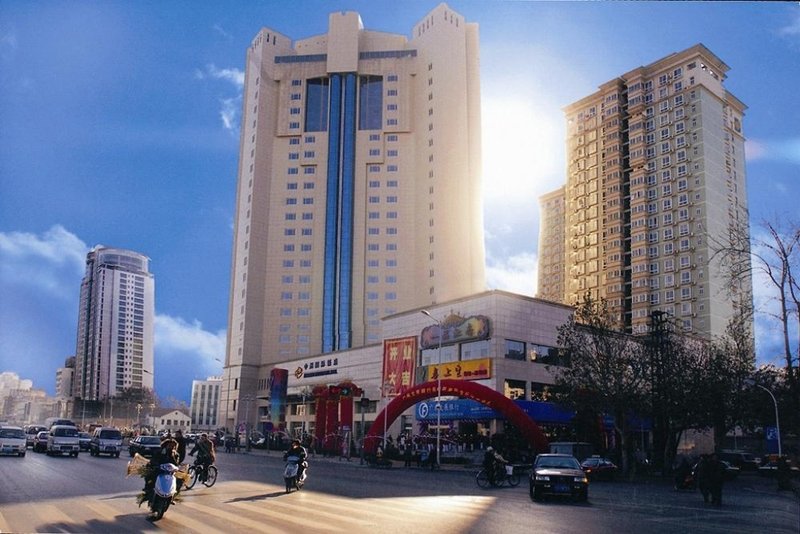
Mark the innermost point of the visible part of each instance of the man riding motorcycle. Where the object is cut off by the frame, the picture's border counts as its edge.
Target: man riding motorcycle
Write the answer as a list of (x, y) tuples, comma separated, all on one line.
[(167, 454), (297, 450)]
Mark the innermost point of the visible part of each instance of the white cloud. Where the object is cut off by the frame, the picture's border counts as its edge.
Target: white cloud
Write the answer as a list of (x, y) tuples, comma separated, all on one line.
[(517, 274), (793, 28), (235, 76), (177, 339), (50, 262), (229, 113), (220, 30), (8, 39), (785, 150), (230, 108)]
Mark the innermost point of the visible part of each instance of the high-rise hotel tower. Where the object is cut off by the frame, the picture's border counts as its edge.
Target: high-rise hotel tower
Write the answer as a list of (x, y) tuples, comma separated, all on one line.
[(655, 183), (115, 325), (358, 192)]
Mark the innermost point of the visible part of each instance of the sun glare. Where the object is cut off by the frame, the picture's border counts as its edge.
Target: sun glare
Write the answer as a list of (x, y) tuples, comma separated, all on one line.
[(521, 151)]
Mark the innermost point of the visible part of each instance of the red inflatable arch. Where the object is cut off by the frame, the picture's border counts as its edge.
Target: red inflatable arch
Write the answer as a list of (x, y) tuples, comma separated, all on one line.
[(464, 389)]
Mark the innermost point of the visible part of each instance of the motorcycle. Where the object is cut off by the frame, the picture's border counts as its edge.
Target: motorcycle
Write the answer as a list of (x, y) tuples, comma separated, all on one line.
[(164, 490), (290, 476)]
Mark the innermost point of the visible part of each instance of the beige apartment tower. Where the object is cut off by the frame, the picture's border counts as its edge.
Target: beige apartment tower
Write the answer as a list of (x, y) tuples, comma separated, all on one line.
[(358, 191), (655, 182)]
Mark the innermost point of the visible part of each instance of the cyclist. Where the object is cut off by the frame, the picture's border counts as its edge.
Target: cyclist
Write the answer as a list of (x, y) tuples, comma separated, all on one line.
[(206, 455), (493, 464)]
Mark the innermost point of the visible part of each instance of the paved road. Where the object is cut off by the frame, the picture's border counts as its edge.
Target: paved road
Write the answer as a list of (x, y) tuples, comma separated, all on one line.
[(43, 494)]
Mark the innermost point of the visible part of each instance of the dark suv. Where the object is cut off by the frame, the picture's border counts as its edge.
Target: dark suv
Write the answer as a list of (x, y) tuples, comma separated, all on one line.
[(144, 445)]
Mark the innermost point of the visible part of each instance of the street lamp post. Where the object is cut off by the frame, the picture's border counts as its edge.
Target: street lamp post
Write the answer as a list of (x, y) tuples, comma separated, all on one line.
[(438, 385), (751, 382)]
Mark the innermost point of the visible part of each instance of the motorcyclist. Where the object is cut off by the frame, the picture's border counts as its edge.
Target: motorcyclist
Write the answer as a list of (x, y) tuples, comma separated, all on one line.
[(167, 454), (296, 449), (206, 454)]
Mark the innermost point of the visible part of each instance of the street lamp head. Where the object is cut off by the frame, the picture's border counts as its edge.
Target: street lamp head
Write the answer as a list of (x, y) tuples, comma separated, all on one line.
[(749, 382)]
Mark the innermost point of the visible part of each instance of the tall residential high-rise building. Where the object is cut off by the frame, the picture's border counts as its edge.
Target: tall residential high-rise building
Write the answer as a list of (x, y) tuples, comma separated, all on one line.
[(656, 182), (358, 192), (115, 325), (552, 275)]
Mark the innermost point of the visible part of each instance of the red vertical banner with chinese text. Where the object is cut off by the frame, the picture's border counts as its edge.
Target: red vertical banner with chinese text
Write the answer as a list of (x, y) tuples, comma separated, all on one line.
[(399, 362)]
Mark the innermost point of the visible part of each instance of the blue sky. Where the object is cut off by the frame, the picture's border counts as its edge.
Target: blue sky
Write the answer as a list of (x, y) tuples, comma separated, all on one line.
[(119, 126)]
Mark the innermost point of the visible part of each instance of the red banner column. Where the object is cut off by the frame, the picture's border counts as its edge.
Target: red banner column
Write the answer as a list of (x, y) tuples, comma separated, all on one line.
[(331, 423)]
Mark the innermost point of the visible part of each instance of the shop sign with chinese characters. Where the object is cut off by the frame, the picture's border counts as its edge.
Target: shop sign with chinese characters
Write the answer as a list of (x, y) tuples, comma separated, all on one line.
[(399, 356)]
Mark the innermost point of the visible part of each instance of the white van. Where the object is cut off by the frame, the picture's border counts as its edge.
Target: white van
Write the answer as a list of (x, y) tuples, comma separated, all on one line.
[(106, 440), (63, 440), (12, 440)]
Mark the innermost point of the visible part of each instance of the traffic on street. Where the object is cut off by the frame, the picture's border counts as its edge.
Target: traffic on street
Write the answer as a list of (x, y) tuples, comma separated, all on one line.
[(40, 493)]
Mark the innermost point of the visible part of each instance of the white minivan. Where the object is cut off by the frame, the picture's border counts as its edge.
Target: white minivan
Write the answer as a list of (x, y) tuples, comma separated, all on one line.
[(63, 439), (12, 440), (106, 440)]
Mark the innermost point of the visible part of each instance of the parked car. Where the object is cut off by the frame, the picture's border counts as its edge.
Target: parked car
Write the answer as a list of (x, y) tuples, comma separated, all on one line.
[(30, 433), (83, 440), (743, 460), (770, 469), (558, 475), (12, 440), (106, 440), (599, 468), (144, 445), (731, 473), (63, 439), (40, 441)]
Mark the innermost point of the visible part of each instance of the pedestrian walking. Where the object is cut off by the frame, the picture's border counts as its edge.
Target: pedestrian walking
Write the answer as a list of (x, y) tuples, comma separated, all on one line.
[(716, 476), (701, 475), (181, 445), (784, 474)]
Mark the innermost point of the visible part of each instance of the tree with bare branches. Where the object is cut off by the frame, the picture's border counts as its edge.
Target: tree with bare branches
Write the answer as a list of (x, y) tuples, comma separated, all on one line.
[(607, 371), (775, 253)]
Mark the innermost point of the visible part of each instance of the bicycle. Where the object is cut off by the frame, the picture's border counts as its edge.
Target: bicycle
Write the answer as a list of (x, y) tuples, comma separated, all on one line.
[(206, 476), (503, 473)]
